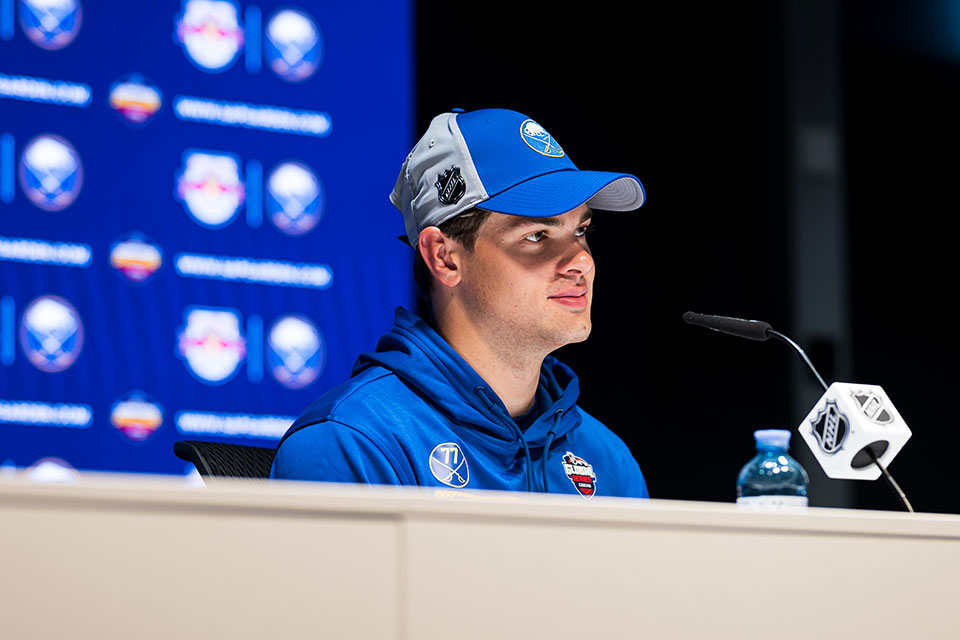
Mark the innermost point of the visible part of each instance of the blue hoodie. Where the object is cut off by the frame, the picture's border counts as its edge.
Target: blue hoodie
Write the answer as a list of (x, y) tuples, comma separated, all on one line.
[(415, 413)]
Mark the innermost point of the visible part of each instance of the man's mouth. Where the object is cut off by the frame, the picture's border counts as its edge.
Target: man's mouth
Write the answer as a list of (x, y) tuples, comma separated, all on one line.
[(575, 297)]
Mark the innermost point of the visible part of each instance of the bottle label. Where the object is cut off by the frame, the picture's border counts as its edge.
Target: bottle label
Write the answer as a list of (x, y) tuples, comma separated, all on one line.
[(784, 503)]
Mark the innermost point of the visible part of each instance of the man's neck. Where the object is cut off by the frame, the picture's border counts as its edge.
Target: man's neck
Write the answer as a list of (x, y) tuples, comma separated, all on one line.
[(513, 374)]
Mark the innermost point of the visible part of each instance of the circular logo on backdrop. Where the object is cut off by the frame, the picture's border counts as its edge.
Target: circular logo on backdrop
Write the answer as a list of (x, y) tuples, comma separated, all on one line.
[(51, 174), (295, 351), (51, 24), (51, 334), (210, 188), (294, 198), (539, 140), (449, 466), (135, 257), (135, 99), (136, 416), (210, 33), (211, 343), (293, 45), (51, 470)]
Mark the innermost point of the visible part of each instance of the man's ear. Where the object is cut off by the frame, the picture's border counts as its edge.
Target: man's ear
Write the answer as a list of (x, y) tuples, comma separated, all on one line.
[(441, 255)]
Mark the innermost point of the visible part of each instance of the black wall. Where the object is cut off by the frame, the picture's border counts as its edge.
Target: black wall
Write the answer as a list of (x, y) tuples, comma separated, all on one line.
[(690, 98)]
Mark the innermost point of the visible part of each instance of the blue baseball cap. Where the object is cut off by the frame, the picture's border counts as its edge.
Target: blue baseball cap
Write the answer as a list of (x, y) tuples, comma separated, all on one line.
[(499, 160)]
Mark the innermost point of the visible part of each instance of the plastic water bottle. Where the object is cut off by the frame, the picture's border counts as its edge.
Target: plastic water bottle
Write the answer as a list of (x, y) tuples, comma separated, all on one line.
[(772, 479)]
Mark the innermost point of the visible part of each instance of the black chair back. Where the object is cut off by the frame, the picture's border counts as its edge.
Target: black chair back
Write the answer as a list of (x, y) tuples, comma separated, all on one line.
[(222, 460)]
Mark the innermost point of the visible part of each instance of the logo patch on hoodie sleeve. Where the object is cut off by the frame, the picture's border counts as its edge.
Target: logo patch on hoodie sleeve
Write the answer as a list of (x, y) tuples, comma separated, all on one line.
[(449, 466), (580, 472)]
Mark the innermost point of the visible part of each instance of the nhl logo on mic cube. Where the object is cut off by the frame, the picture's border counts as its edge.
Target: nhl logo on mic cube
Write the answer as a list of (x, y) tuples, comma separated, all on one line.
[(847, 422)]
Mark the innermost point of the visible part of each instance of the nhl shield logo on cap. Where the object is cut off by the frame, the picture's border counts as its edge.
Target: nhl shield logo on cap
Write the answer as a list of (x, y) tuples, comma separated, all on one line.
[(450, 186)]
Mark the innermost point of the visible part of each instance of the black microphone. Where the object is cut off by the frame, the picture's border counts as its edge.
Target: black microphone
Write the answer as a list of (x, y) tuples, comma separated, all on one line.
[(749, 329)]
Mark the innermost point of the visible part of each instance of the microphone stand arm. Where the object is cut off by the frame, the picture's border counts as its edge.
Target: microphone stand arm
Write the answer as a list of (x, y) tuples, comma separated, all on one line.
[(803, 354)]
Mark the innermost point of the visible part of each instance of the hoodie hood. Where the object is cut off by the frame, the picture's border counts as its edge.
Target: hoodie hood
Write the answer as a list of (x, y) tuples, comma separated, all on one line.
[(420, 357)]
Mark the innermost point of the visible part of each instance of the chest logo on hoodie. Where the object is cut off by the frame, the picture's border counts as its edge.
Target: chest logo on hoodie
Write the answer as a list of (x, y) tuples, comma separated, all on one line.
[(449, 466), (581, 474)]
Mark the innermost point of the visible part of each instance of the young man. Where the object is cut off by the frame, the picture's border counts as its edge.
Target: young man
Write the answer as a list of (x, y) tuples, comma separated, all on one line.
[(498, 215)]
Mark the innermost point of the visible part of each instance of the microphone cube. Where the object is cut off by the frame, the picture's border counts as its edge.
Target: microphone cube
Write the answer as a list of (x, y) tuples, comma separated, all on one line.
[(847, 423)]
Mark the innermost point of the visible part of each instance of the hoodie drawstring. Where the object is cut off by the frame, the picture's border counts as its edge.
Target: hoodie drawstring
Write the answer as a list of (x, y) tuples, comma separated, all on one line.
[(546, 448), (523, 441)]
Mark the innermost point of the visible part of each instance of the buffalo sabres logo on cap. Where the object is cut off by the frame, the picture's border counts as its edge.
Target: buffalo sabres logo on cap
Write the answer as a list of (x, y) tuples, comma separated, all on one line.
[(871, 405), (210, 187), (539, 140), (135, 99), (294, 198), (581, 474), (211, 343), (830, 428), (136, 416), (450, 186), (50, 172), (293, 45), (210, 33), (295, 351), (50, 24), (449, 466), (51, 334)]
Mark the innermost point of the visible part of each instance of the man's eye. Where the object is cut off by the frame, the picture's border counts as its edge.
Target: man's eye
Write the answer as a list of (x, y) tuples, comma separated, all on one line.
[(584, 230), (536, 236)]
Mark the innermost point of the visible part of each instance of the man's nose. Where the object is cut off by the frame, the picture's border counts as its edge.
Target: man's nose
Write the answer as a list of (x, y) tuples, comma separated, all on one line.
[(577, 260)]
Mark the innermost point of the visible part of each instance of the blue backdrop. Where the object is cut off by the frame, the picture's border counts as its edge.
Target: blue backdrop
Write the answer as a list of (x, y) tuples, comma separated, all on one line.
[(195, 236)]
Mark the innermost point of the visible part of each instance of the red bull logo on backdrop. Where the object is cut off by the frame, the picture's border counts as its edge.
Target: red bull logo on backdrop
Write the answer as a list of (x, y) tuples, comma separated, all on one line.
[(51, 173), (51, 334), (210, 33), (295, 351), (210, 187), (294, 198), (211, 343), (293, 45), (51, 24)]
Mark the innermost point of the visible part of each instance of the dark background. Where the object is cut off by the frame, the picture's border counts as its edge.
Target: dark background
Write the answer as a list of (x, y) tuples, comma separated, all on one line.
[(692, 98)]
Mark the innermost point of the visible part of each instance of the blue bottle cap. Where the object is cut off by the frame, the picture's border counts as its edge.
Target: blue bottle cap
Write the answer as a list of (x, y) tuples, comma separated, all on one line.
[(772, 438)]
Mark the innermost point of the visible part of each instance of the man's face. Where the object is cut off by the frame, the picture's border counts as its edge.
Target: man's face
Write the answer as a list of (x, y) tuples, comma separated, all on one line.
[(528, 284)]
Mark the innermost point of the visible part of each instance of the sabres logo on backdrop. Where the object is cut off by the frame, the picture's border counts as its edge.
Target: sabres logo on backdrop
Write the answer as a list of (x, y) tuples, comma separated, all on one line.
[(51, 173), (293, 45), (295, 351), (51, 334), (294, 198), (51, 24)]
